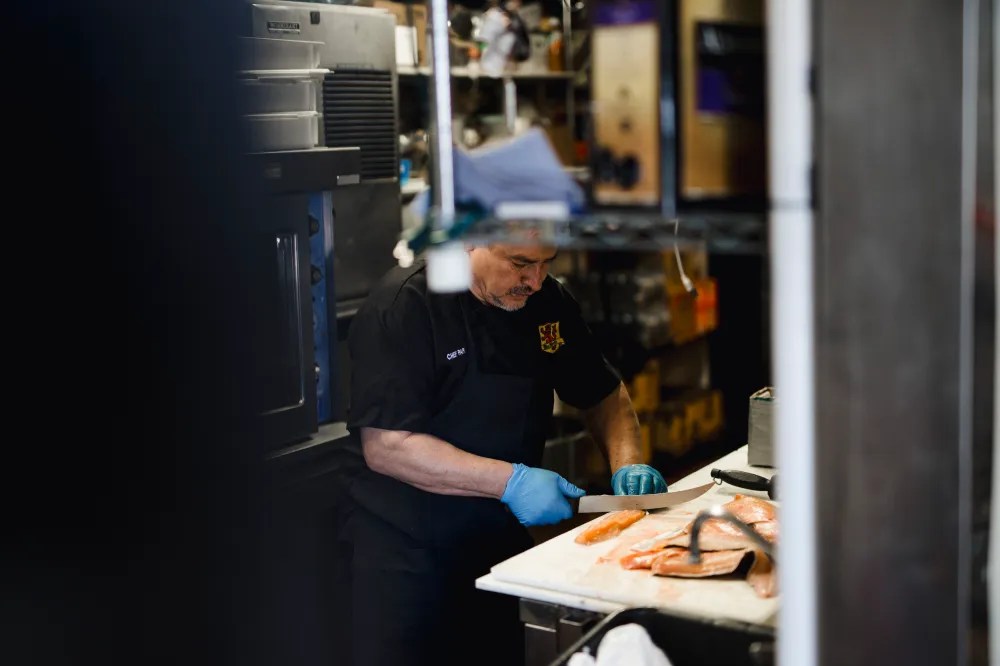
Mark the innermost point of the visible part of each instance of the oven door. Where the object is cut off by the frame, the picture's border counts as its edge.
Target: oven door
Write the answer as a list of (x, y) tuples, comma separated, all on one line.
[(284, 356)]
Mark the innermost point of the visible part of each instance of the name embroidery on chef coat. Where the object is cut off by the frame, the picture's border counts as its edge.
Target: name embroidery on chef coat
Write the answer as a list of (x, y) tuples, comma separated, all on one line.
[(551, 340)]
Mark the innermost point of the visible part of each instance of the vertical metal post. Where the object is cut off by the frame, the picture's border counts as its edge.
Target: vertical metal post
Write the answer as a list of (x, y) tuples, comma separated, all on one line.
[(567, 28), (567, 18), (792, 299), (892, 330), (993, 566), (441, 140), (510, 104), (448, 268), (970, 98)]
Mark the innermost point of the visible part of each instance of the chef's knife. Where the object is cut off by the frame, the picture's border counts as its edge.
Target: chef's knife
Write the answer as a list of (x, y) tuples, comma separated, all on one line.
[(604, 503), (748, 480)]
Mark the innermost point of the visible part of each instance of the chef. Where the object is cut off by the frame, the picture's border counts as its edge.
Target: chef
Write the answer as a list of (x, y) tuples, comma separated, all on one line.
[(450, 398)]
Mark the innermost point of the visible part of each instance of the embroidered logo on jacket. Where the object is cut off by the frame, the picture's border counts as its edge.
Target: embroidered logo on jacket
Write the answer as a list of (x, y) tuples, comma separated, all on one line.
[(551, 340)]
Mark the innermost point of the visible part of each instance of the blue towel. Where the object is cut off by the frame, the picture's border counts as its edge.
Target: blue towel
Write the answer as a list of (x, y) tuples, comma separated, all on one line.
[(522, 168)]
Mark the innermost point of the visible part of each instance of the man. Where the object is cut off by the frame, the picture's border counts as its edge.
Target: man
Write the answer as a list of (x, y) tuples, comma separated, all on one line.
[(450, 398)]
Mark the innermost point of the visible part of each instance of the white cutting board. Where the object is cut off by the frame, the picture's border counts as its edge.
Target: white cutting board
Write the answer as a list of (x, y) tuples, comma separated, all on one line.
[(561, 565)]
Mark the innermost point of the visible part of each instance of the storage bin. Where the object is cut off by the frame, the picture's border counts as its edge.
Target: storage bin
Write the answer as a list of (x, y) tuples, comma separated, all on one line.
[(687, 640), (279, 94), (760, 429), (268, 53), (283, 131)]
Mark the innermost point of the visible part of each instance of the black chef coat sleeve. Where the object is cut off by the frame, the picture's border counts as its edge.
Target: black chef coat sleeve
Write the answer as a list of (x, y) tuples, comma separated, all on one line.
[(392, 363), (583, 375)]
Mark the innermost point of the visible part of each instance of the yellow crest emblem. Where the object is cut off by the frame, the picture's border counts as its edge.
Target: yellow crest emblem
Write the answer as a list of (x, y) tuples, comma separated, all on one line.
[(551, 340)]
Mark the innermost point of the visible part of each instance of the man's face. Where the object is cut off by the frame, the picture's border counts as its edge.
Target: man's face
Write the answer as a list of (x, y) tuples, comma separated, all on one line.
[(506, 275)]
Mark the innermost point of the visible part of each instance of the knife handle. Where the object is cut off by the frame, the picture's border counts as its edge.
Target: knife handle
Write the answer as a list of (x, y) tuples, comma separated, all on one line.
[(741, 479)]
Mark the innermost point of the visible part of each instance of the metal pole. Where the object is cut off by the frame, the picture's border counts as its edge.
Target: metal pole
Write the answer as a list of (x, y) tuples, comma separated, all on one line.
[(970, 100), (448, 263), (510, 104), (793, 314), (443, 165), (993, 563), (567, 30)]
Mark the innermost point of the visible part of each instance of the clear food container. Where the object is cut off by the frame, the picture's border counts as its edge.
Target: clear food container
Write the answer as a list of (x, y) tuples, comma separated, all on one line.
[(279, 94), (283, 131), (267, 53)]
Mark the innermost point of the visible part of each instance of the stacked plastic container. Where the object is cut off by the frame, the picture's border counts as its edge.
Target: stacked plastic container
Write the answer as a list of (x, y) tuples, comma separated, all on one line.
[(281, 83)]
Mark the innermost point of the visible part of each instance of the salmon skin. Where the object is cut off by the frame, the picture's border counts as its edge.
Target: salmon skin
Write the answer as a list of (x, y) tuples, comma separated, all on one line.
[(677, 562), (762, 576), (609, 525), (720, 534), (715, 535)]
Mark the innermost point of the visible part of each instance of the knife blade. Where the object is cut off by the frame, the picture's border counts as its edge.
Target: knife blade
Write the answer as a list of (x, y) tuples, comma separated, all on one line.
[(605, 503)]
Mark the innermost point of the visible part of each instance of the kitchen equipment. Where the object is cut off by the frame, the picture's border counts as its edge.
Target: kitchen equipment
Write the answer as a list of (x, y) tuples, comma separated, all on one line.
[(760, 428), (268, 53), (283, 131), (287, 349), (604, 503), (265, 93), (748, 480)]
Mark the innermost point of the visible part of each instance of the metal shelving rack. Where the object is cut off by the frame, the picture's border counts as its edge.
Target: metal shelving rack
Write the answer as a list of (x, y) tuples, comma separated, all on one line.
[(725, 232)]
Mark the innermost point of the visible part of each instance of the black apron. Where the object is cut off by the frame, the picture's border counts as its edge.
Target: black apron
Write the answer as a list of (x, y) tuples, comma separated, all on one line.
[(416, 555)]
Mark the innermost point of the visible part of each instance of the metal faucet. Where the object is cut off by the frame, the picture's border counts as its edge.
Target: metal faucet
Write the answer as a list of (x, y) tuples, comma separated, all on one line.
[(718, 513)]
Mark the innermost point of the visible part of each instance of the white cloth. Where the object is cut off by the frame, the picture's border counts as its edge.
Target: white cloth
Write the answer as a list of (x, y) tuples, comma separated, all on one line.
[(625, 645)]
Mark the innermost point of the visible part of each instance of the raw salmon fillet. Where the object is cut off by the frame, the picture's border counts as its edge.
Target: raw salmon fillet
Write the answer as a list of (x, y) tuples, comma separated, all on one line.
[(677, 562), (609, 525), (720, 534), (642, 560), (762, 576), (767, 529), (750, 509), (715, 535), (660, 541)]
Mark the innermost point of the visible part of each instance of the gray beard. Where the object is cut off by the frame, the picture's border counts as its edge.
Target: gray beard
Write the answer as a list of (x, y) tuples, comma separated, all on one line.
[(496, 301), (506, 307)]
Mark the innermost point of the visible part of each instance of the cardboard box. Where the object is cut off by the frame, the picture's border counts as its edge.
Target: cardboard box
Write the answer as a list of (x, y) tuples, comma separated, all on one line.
[(414, 16), (692, 316), (760, 449)]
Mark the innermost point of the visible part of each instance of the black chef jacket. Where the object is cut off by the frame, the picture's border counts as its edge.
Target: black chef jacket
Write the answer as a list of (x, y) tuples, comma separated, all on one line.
[(411, 348), (482, 379)]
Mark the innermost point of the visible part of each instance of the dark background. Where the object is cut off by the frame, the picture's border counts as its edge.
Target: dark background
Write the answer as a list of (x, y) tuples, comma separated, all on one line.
[(135, 516)]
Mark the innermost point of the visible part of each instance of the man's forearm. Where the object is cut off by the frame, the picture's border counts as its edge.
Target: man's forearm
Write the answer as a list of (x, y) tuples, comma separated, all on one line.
[(433, 464), (613, 423)]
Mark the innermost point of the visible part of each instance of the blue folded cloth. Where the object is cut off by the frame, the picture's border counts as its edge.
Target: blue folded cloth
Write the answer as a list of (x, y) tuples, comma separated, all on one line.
[(522, 168)]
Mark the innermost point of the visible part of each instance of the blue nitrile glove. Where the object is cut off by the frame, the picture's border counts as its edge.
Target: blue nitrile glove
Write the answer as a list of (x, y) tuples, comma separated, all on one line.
[(538, 496), (637, 480)]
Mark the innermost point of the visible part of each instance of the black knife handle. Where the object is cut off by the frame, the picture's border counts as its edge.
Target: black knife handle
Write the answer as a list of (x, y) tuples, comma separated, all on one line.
[(741, 479)]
